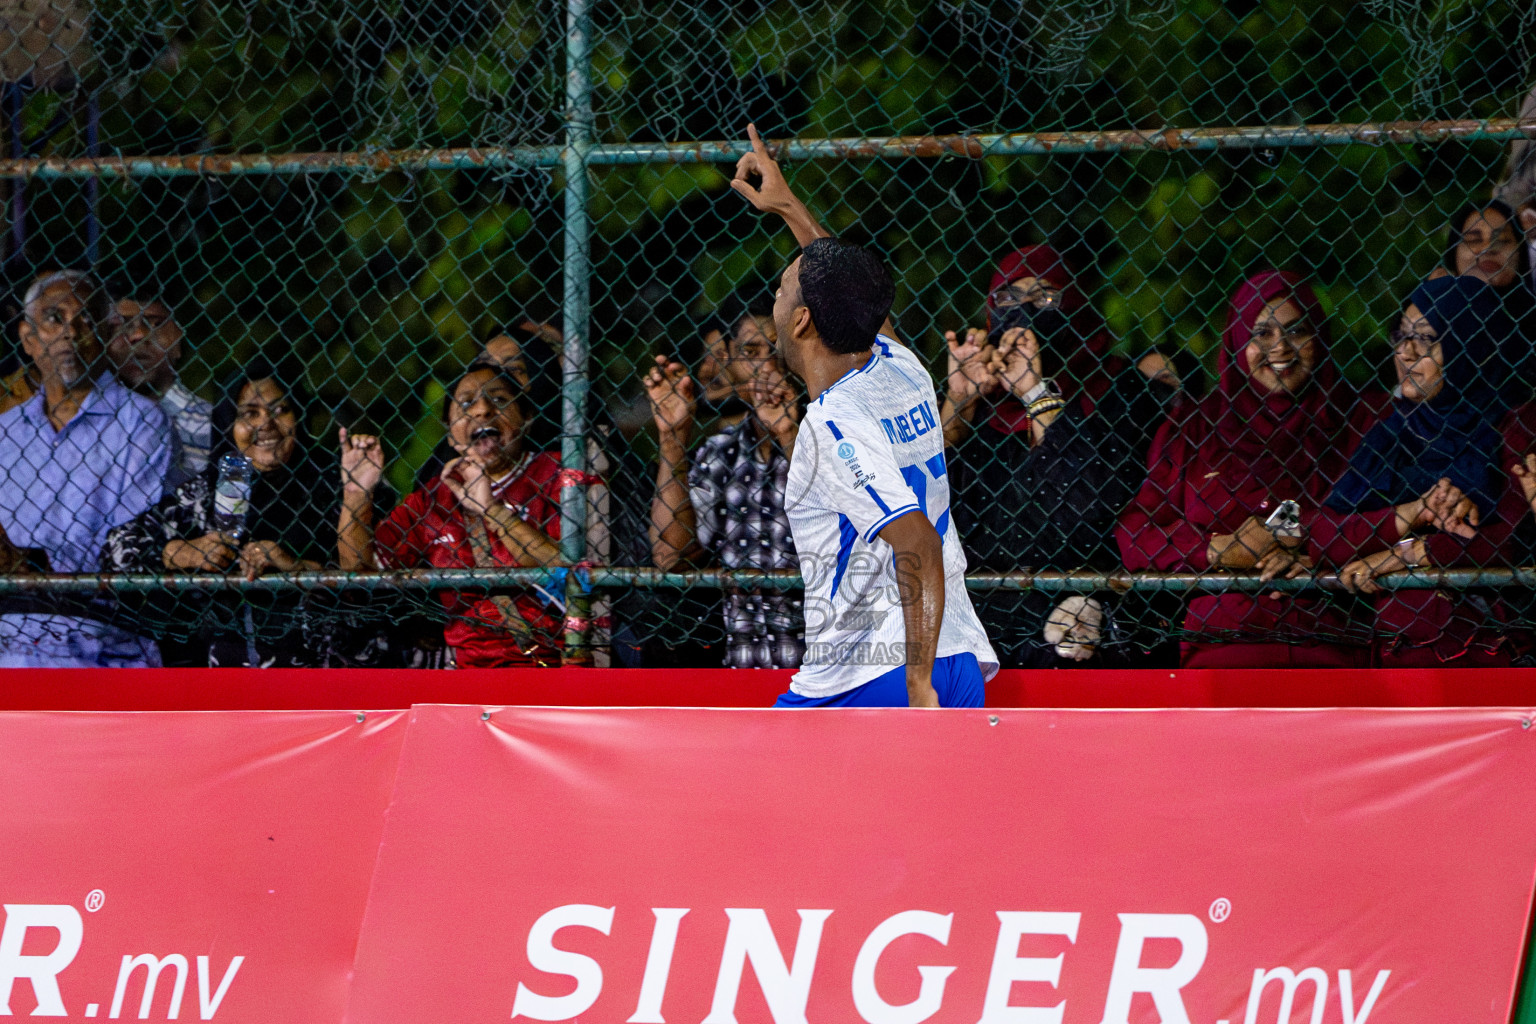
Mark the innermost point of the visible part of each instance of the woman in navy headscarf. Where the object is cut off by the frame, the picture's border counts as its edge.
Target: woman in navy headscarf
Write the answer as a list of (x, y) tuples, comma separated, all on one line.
[(1438, 462)]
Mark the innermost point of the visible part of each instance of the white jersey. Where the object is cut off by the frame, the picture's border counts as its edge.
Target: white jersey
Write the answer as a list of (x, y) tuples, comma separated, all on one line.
[(870, 449)]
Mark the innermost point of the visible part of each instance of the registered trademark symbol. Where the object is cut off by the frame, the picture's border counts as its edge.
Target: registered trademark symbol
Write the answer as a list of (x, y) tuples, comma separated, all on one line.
[(1221, 910), (94, 900)]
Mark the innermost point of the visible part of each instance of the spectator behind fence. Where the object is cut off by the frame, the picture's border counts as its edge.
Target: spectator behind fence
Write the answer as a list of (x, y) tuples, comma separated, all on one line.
[(304, 513), (645, 632), (536, 370), (146, 344), (724, 504), (1280, 427), (1518, 186), (1437, 462), (1032, 287), (743, 320), (617, 521), (718, 396), (494, 505), (1049, 498), (1484, 243), (78, 458)]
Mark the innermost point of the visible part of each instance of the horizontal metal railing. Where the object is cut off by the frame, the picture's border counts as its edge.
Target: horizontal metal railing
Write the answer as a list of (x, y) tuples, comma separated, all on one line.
[(971, 146), (610, 577)]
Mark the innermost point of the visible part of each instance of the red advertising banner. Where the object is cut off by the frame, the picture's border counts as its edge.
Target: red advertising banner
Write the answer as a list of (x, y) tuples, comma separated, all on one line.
[(1005, 867), (974, 867), (188, 866)]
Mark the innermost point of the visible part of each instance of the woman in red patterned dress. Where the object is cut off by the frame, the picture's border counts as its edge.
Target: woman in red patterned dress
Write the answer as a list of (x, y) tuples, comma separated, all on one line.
[(494, 505)]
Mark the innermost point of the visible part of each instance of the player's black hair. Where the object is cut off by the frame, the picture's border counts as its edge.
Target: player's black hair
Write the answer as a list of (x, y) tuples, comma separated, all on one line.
[(848, 292)]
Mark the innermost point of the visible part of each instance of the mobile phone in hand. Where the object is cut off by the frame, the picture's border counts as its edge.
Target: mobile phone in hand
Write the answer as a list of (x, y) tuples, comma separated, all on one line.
[(1285, 520)]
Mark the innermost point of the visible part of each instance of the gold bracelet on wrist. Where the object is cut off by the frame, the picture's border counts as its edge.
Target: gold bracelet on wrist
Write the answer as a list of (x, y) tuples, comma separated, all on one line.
[(1044, 405)]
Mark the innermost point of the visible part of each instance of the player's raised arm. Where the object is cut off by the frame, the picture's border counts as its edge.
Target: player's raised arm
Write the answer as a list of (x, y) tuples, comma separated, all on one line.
[(919, 561), (772, 193)]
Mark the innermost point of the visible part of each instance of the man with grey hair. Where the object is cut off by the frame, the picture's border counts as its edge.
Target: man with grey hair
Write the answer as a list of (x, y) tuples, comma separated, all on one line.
[(81, 456)]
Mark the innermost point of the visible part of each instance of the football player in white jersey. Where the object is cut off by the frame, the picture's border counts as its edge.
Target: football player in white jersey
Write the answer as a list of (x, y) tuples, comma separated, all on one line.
[(888, 621)]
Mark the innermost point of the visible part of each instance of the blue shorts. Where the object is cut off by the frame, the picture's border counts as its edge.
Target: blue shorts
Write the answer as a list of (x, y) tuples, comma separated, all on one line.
[(957, 679)]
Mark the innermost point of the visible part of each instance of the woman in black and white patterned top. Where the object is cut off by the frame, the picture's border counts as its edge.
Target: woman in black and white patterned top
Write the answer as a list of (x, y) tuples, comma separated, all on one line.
[(301, 517)]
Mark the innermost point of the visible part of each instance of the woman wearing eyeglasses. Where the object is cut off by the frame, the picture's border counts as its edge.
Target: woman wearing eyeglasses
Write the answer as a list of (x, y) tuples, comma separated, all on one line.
[(1279, 428), (1059, 449), (1032, 288), (1430, 485), (495, 505)]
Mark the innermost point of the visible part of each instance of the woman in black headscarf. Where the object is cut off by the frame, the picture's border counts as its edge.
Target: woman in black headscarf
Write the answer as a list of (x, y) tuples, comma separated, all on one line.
[(295, 517), (1429, 485)]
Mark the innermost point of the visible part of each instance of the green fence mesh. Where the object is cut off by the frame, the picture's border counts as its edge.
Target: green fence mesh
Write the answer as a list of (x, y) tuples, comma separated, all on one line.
[(357, 201)]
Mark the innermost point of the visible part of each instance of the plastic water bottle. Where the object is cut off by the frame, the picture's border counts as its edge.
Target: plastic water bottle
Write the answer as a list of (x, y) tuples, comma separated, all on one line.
[(232, 495)]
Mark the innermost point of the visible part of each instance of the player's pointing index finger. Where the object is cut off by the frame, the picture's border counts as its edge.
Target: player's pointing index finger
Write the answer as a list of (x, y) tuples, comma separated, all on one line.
[(757, 142)]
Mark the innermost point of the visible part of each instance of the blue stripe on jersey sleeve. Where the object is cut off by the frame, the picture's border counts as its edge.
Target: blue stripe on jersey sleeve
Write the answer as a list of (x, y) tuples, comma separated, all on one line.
[(837, 435), (869, 535), (879, 502), (846, 535)]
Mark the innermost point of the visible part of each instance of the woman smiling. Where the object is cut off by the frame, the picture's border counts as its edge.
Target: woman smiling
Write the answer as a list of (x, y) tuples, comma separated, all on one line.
[(1279, 428), (299, 517)]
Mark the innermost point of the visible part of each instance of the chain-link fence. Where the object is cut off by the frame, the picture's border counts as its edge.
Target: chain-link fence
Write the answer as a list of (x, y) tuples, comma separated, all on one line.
[(333, 215)]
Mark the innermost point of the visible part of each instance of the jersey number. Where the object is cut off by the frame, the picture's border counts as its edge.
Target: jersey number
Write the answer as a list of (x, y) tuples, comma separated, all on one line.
[(917, 479)]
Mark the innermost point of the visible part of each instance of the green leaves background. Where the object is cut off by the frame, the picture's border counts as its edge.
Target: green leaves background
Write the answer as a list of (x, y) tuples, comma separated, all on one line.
[(384, 284)]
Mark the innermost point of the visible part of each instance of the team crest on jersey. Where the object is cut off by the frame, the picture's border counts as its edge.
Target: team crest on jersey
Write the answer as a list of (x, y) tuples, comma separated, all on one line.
[(850, 457)]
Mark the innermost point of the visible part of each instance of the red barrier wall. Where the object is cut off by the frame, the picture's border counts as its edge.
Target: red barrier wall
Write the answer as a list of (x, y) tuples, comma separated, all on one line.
[(278, 689), (233, 846), (467, 865), (1091, 867)]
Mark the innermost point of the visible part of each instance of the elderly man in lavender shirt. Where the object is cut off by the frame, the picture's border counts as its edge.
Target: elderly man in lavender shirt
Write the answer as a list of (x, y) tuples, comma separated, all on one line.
[(81, 456)]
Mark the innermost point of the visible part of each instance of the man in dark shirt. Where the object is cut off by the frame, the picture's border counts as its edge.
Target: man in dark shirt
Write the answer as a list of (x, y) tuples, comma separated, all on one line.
[(725, 503)]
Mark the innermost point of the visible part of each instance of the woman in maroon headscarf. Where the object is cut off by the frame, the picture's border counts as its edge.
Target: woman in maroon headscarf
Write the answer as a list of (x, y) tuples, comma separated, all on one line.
[(1280, 426), (1033, 288)]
